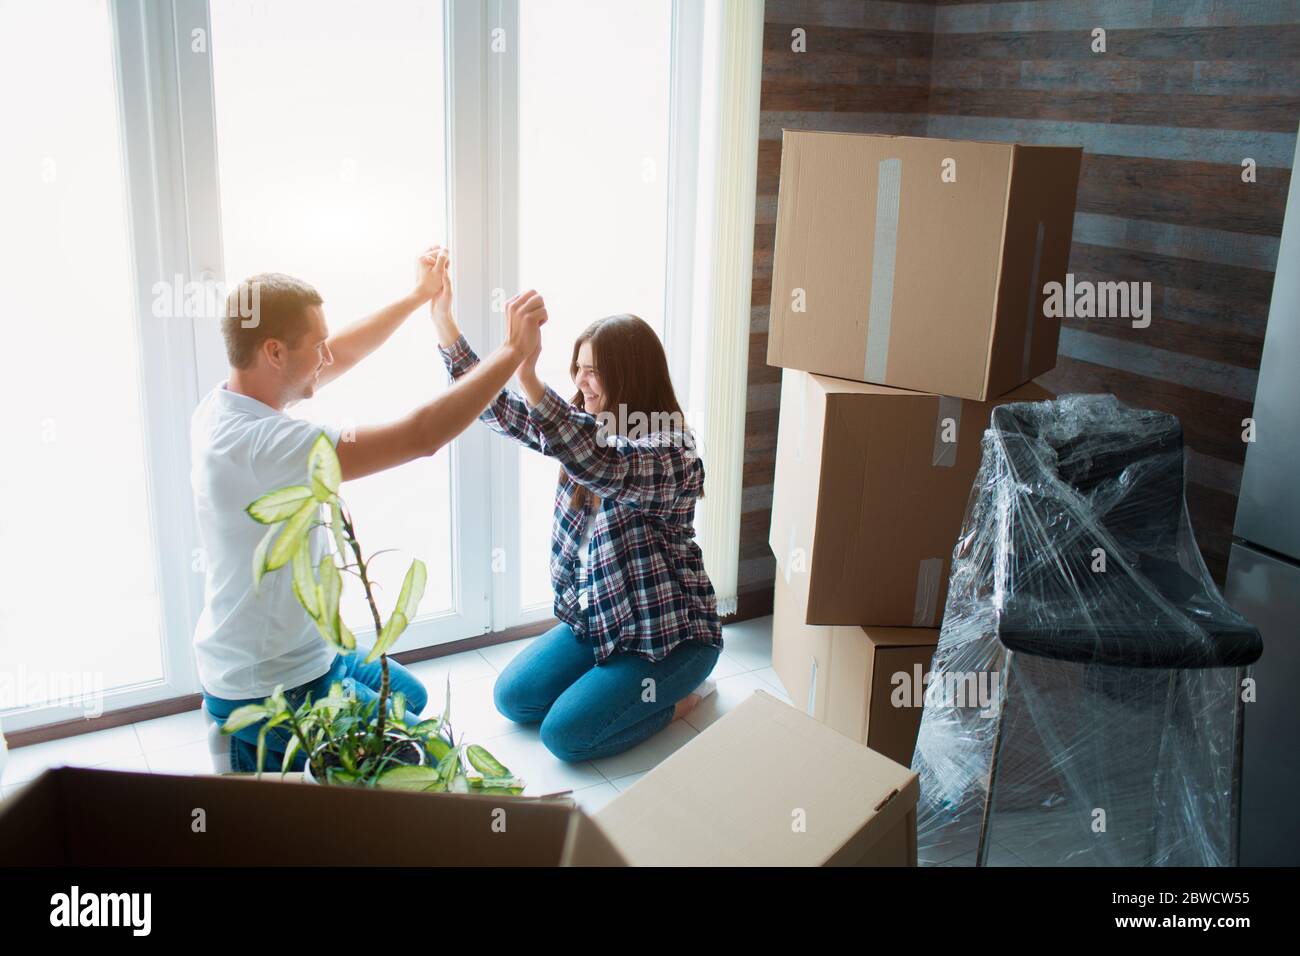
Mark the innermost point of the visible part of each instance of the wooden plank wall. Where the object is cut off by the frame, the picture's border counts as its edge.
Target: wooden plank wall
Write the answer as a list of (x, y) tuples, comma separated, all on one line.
[(1186, 90)]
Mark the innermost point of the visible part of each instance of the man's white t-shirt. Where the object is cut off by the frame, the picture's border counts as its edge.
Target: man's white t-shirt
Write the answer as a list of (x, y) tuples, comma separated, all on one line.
[(246, 643)]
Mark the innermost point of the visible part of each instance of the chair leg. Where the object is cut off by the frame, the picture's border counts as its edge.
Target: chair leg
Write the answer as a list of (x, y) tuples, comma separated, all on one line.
[(1238, 743), (981, 850)]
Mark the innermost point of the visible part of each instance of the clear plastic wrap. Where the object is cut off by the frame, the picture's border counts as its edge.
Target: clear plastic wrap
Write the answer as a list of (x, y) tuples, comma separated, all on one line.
[(1085, 699)]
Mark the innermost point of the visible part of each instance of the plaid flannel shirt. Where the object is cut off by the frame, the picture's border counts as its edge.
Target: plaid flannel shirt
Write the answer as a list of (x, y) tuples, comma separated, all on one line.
[(648, 588)]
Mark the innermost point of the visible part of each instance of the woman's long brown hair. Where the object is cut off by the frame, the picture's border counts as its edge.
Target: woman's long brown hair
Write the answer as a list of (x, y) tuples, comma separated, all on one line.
[(633, 370)]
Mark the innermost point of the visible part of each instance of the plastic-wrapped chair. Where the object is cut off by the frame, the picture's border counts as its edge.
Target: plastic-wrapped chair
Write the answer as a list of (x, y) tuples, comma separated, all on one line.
[(1084, 706)]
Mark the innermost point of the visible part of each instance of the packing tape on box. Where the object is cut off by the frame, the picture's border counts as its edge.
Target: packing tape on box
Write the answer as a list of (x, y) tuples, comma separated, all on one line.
[(927, 592), (889, 182), (1033, 303), (947, 422)]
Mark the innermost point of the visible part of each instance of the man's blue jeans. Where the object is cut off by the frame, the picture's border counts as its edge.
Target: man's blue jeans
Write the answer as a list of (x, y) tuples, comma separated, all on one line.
[(363, 680), (588, 712)]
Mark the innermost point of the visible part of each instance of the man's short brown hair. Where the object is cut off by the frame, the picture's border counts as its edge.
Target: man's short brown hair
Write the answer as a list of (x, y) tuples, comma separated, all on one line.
[(269, 305)]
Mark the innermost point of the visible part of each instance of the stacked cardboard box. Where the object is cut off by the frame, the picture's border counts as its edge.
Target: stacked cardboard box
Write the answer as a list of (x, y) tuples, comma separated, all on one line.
[(906, 304)]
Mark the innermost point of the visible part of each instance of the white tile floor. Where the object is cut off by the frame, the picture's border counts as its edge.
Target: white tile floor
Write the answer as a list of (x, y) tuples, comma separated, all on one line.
[(177, 744)]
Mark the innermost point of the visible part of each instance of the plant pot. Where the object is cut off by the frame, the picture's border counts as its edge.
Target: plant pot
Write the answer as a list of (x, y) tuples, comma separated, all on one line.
[(418, 753)]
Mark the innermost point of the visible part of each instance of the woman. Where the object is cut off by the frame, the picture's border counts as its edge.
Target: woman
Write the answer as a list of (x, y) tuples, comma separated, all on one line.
[(639, 630)]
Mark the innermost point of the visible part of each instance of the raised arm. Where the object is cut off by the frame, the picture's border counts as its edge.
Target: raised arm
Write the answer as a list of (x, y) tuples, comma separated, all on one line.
[(353, 343), (430, 427), (650, 473), (507, 414)]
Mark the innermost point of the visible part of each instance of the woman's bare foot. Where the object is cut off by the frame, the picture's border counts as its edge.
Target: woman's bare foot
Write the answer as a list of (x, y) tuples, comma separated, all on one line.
[(686, 705)]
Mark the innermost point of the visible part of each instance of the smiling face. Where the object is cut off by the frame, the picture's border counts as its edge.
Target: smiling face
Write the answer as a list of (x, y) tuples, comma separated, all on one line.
[(619, 367), (304, 361), (587, 378)]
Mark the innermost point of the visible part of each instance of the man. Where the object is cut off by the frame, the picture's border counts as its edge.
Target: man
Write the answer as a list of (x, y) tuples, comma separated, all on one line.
[(249, 641)]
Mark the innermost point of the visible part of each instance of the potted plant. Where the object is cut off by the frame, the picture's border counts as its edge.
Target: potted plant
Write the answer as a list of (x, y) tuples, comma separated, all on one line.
[(346, 740)]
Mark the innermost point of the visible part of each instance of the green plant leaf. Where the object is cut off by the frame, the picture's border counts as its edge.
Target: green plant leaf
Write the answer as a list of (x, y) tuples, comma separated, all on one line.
[(332, 702), (294, 529), (347, 640), (407, 778), (331, 587), (408, 601), (304, 581), (347, 757), (279, 505), (505, 784), (323, 469), (259, 553), (444, 719), (393, 629), (336, 526), (245, 716), (437, 747), (275, 721), (449, 766), (485, 763), (323, 629), (325, 705), (294, 746)]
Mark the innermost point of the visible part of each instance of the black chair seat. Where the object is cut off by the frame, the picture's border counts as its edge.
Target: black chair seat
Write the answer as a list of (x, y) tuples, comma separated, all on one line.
[(1092, 474)]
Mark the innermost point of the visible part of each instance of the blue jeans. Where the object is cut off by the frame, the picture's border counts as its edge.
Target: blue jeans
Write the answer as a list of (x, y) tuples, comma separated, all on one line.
[(588, 712), (360, 679)]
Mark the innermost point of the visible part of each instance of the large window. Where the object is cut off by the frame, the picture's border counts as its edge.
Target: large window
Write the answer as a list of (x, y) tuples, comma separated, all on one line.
[(593, 210), (79, 606), (159, 145), (330, 137)]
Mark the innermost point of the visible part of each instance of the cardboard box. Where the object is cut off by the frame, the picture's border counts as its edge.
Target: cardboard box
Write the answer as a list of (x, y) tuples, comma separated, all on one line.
[(766, 785), (909, 280), (725, 798), (77, 817), (870, 490), (865, 682)]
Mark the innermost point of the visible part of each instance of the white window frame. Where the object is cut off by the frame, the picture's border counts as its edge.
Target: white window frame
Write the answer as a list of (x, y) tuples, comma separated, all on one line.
[(150, 129), (486, 85), (469, 554), (167, 115)]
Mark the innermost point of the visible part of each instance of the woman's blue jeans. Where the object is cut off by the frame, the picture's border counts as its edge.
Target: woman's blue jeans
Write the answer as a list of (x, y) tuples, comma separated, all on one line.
[(363, 680), (588, 712)]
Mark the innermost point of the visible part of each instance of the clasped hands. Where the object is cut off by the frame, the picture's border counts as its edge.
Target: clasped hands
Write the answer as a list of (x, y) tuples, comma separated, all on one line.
[(525, 316)]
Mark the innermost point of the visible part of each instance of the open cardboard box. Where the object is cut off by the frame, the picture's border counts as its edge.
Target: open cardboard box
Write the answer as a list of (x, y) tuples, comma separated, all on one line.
[(764, 785), (75, 817)]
